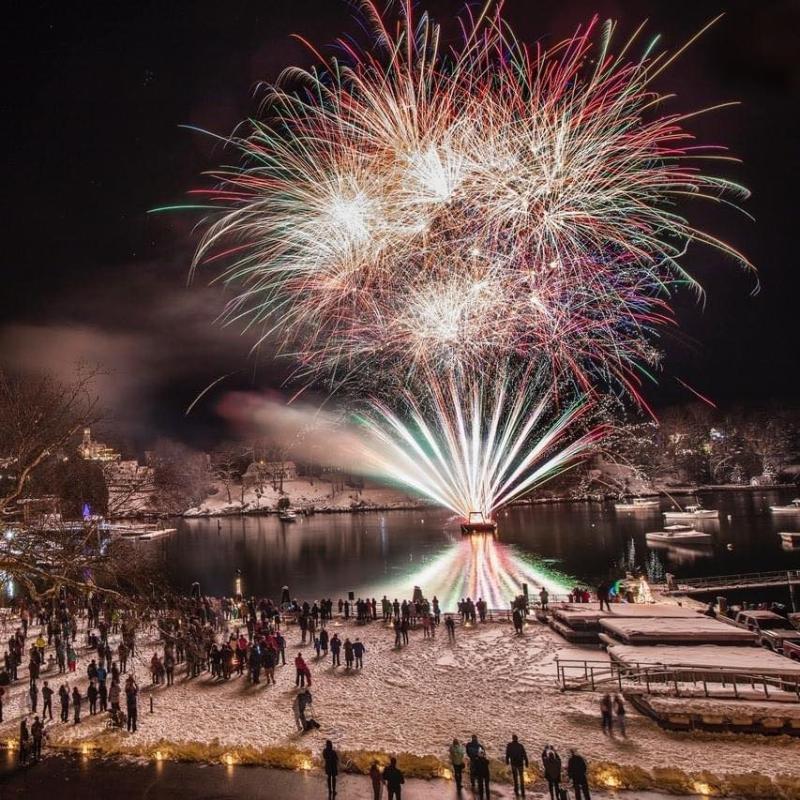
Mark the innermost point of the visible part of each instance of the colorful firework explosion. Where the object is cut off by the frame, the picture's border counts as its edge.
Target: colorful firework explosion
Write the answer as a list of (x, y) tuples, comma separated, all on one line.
[(410, 210)]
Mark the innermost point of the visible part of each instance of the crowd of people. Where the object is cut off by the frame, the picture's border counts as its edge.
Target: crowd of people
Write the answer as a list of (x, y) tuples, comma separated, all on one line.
[(227, 638)]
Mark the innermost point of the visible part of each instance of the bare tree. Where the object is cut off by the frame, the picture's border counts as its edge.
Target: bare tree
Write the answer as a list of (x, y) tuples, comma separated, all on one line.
[(40, 417), (227, 465), (40, 420)]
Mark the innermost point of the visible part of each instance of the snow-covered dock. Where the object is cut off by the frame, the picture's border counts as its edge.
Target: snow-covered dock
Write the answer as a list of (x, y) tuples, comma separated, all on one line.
[(579, 623), (697, 630)]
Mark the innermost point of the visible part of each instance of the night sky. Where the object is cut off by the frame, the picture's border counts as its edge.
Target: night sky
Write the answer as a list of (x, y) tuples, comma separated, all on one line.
[(94, 96)]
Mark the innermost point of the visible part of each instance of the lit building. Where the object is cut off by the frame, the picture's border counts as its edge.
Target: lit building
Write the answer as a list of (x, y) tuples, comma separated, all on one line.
[(96, 451)]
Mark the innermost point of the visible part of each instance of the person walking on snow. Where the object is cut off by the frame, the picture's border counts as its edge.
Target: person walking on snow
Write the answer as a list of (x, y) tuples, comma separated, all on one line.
[(606, 720), (619, 712)]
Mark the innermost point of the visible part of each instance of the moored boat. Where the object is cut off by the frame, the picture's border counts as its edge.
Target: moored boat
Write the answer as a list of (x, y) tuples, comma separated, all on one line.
[(791, 508), (691, 513), (638, 504), (679, 537)]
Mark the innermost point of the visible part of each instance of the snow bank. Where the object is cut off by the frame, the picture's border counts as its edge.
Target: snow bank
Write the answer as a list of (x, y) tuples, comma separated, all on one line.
[(303, 493)]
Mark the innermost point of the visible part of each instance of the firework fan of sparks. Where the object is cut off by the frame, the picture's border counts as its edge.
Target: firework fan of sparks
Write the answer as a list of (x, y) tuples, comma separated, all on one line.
[(412, 207), (474, 448)]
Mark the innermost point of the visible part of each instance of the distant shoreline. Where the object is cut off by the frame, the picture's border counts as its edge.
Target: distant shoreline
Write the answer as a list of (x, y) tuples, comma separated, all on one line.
[(424, 504)]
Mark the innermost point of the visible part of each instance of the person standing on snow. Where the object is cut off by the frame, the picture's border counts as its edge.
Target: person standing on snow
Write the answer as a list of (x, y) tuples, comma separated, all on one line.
[(457, 756), (473, 748), (482, 774), (517, 758), (576, 770), (358, 652), (336, 647), (376, 780), (394, 780), (551, 762), (331, 759)]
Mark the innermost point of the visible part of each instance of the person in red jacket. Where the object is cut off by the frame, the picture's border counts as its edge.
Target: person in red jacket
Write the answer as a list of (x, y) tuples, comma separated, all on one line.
[(303, 673)]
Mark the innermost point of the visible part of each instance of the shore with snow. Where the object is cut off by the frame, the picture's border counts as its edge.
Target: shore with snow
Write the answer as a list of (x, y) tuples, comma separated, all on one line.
[(319, 496), (413, 701)]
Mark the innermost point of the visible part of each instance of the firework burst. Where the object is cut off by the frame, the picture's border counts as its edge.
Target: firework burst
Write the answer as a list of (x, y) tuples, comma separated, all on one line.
[(409, 210)]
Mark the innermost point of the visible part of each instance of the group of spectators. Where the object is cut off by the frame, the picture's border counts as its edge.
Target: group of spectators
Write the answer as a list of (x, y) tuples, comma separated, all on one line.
[(228, 637), (473, 758)]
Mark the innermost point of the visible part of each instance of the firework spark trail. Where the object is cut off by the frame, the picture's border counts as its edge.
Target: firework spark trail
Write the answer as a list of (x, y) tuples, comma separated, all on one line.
[(411, 210), (473, 448)]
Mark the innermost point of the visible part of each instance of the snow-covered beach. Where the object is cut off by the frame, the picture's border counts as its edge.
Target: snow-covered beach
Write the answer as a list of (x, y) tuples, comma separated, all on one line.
[(412, 702)]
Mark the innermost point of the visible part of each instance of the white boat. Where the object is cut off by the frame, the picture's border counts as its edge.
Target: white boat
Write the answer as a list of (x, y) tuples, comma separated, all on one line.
[(287, 515), (638, 504), (691, 513), (679, 537), (157, 533), (790, 537), (144, 532), (792, 508)]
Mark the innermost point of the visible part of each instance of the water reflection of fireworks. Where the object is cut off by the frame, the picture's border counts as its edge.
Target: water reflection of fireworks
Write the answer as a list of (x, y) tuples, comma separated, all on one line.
[(477, 566)]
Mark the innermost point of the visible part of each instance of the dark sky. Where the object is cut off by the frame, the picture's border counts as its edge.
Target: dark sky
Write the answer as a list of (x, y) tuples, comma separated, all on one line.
[(93, 97)]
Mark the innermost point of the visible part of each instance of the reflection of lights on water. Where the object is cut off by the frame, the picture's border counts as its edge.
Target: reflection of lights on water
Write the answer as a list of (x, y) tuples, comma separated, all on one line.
[(478, 566)]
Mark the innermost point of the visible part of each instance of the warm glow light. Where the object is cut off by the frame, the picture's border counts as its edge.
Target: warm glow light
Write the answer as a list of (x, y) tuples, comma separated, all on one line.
[(306, 764), (700, 787)]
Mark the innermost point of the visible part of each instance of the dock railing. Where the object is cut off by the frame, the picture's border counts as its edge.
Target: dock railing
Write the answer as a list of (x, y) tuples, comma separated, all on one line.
[(596, 675), (777, 578)]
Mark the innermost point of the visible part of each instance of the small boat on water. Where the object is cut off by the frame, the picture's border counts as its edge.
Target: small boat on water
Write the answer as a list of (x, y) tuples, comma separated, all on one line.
[(638, 504), (685, 536), (791, 538), (691, 513), (792, 508), (287, 515), (140, 532), (156, 534), (478, 523)]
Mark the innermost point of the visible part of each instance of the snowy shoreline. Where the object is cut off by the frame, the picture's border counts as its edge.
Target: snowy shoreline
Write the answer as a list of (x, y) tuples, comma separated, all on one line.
[(411, 702), (213, 507)]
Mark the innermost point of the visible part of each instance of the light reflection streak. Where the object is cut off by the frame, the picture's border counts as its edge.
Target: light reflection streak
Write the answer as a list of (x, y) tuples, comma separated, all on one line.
[(476, 567)]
